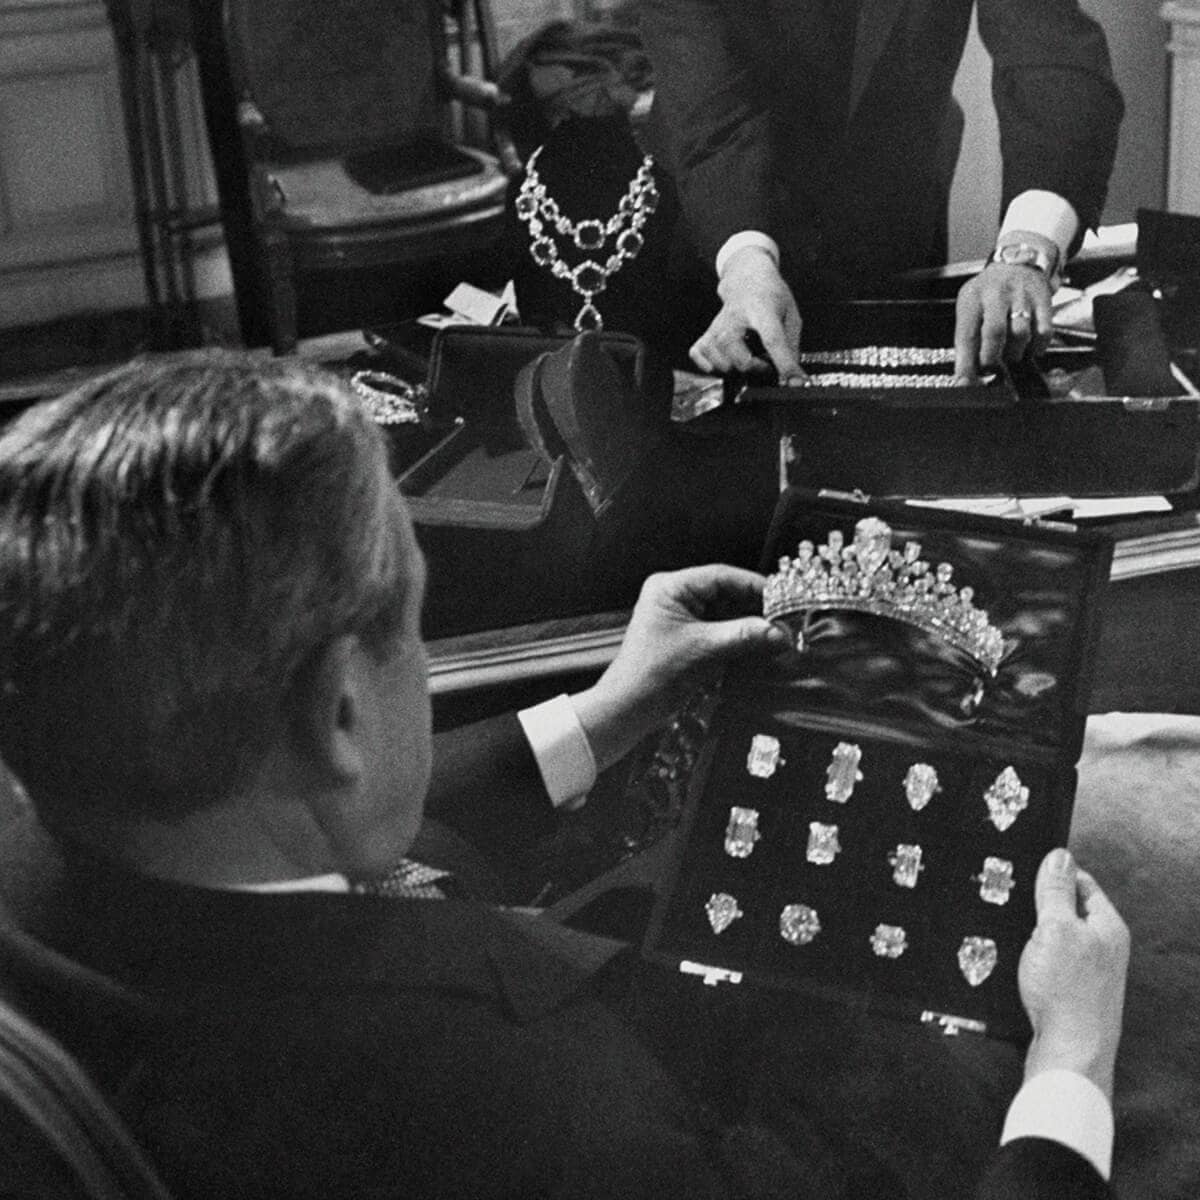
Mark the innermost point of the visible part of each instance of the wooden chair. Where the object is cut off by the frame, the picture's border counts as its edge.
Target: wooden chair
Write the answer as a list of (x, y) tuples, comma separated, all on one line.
[(153, 39), (348, 136), (60, 1139)]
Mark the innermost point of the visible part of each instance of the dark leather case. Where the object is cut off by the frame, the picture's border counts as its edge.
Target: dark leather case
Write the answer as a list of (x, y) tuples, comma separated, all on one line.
[(504, 526), (898, 694), (1009, 439)]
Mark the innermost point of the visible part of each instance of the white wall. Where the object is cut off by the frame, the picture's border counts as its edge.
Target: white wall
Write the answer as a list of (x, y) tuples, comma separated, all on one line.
[(1183, 175), (1137, 40)]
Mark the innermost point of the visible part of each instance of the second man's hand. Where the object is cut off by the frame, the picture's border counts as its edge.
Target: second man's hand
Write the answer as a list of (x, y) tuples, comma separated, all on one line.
[(1005, 311), (754, 299)]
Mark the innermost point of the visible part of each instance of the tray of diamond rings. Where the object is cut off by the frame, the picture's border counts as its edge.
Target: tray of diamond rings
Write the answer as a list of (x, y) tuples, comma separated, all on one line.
[(868, 814)]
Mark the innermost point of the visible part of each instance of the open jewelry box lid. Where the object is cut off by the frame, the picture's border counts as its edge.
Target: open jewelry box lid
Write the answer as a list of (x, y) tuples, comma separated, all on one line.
[(890, 695), (1038, 583)]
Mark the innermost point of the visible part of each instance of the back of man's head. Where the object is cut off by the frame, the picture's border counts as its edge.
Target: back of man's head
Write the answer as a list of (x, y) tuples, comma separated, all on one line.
[(177, 539)]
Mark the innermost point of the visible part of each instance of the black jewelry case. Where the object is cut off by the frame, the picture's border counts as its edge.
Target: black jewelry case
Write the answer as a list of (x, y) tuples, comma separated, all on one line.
[(1014, 437), (903, 696), (492, 503)]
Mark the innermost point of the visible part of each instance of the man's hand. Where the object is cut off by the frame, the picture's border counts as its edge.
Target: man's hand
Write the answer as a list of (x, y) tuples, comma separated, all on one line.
[(999, 314), (755, 299), (683, 625), (1072, 974)]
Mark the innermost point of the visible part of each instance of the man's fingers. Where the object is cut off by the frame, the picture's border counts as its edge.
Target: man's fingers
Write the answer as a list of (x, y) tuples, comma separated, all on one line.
[(1043, 312), (993, 331), (722, 349), (966, 339), (1101, 912), (793, 326), (700, 356), (747, 635), (1020, 330), (736, 353), (781, 347), (701, 589), (1055, 888)]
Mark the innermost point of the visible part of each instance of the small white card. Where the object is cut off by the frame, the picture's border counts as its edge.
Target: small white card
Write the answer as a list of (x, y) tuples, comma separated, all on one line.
[(469, 305)]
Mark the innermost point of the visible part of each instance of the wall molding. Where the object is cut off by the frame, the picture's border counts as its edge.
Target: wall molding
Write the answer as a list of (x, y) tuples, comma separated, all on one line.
[(68, 241), (1183, 144)]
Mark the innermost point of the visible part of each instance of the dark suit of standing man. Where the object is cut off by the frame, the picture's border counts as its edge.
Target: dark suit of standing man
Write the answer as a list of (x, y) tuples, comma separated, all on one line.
[(814, 141)]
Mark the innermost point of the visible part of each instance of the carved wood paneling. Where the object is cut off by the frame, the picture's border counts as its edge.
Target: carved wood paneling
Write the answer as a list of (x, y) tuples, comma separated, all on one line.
[(67, 239)]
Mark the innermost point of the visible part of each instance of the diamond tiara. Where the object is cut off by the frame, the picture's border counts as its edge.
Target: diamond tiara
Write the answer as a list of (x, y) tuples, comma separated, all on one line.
[(869, 576)]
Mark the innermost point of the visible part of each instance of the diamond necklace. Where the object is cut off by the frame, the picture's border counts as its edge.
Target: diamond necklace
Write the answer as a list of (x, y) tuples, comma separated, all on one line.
[(540, 212)]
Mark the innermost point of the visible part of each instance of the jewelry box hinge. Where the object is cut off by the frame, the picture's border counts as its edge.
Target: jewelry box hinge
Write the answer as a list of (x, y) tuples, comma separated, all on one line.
[(710, 975), (952, 1026)]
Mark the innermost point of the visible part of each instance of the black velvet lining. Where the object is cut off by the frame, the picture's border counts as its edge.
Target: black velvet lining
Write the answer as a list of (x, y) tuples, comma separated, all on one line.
[(868, 670), (897, 694), (856, 892)]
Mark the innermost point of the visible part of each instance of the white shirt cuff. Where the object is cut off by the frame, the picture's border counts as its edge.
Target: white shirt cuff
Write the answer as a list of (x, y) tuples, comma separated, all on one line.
[(561, 748), (739, 241), (1068, 1108), (1041, 212)]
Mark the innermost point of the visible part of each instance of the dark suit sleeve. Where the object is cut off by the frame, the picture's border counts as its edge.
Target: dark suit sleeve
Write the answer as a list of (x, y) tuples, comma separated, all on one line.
[(1058, 107), (715, 127), (1041, 1169), (486, 786)]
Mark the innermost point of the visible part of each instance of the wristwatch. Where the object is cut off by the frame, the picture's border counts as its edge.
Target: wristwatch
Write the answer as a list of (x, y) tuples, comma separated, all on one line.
[(1026, 254)]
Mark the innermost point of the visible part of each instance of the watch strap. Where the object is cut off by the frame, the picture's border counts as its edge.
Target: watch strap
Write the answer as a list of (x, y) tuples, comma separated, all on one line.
[(1024, 252)]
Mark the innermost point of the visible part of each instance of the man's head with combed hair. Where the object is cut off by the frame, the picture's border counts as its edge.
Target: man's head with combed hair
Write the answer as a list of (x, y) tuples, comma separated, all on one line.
[(178, 539)]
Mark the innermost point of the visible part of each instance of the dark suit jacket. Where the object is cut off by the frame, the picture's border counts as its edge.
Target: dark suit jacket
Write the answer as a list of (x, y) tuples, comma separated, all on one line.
[(846, 164), (354, 1046)]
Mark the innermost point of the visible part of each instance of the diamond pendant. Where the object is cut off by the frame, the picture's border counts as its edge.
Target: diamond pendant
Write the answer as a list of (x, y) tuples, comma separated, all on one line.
[(976, 959), (588, 317)]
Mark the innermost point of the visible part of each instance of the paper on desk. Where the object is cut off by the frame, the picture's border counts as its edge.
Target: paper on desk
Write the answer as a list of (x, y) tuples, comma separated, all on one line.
[(1032, 508), (1118, 506), (1073, 307), (469, 305), (1001, 506)]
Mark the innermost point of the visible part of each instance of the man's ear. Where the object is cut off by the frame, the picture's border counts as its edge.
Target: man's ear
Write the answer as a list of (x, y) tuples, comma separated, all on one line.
[(327, 715)]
